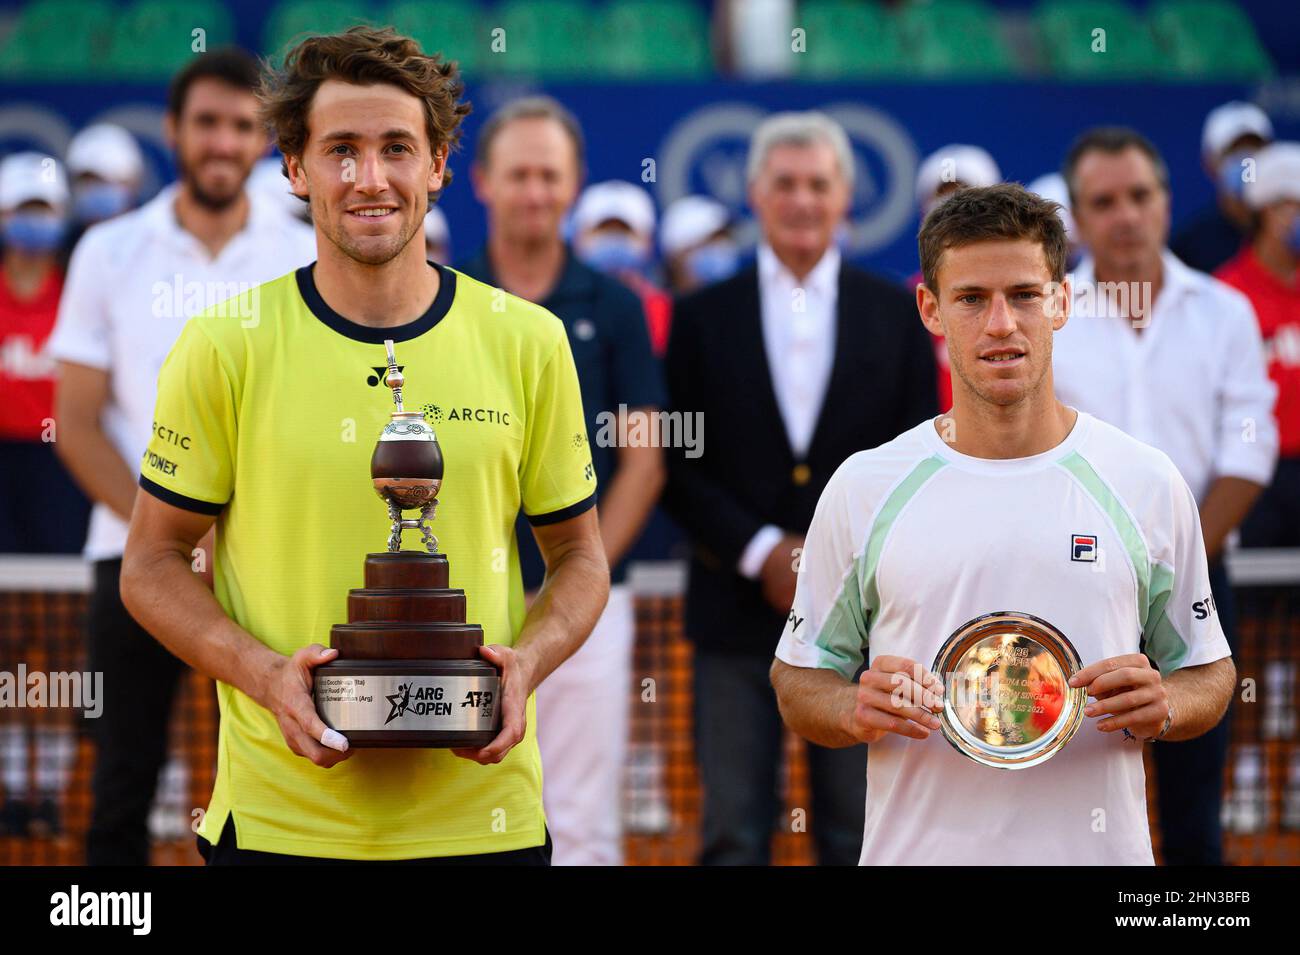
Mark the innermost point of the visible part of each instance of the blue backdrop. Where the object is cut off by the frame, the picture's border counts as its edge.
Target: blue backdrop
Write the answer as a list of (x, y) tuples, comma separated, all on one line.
[(692, 137)]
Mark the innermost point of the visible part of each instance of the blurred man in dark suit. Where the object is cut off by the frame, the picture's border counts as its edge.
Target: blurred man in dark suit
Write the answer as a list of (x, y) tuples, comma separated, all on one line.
[(794, 363)]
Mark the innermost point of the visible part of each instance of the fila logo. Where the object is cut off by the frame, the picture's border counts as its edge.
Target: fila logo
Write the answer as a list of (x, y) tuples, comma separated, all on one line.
[(1083, 547)]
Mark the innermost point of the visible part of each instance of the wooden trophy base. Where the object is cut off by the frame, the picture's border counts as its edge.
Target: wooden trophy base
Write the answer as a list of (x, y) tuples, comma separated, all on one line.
[(409, 673)]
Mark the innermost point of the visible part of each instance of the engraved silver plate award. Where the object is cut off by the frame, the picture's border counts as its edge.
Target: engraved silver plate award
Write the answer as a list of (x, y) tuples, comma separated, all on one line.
[(1007, 699)]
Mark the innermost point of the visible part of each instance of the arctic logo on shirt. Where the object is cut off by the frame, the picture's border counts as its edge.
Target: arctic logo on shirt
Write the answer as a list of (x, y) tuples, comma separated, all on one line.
[(435, 414), (1083, 547)]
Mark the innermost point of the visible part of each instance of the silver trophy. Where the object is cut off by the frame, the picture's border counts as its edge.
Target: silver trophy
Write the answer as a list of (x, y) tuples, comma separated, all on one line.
[(1007, 699)]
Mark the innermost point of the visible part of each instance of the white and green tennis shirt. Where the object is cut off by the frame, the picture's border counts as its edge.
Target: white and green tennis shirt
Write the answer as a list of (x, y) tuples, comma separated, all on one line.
[(1100, 536)]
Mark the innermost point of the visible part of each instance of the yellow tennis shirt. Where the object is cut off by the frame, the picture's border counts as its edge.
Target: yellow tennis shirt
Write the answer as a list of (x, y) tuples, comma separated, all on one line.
[(267, 414)]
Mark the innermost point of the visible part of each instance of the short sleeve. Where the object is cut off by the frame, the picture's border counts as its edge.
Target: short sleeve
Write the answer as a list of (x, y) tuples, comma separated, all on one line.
[(190, 460), (638, 381), (556, 476), (81, 332), (827, 626), (1182, 625)]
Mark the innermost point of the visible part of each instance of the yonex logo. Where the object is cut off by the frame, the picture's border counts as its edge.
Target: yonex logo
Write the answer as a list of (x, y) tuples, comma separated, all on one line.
[(380, 374), (1083, 547)]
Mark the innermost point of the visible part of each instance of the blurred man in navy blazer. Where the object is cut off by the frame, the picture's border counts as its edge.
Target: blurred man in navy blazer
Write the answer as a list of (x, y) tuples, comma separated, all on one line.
[(795, 363)]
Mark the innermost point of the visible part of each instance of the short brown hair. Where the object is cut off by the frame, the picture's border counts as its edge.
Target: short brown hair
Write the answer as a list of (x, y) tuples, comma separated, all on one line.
[(230, 65), (362, 55), (1110, 140), (1004, 211), (530, 107)]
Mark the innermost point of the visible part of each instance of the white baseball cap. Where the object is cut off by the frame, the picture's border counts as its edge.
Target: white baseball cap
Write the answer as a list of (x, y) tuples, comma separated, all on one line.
[(956, 162), (1052, 186), (106, 151), (615, 199), (689, 221), (1227, 123), (1277, 175), (28, 176), (436, 229)]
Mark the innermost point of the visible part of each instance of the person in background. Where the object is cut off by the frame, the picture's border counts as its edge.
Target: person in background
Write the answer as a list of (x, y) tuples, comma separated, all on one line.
[(528, 164), (437, 236), (1052, 186), (106, 167), (1172, 357), (132, 284), (1232, 135), (792, 365), (41, 509), (697, 245), (943, 172), (614, 233), (1267, 271)]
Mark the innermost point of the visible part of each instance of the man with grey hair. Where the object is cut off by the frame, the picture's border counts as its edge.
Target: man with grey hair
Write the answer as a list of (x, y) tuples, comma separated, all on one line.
[(797, 362)]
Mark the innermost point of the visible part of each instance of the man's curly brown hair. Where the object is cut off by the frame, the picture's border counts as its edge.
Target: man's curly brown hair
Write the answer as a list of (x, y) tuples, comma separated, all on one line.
[(362, 55)]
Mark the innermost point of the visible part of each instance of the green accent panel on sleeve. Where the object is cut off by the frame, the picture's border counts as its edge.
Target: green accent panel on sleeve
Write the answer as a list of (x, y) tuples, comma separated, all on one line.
[(844, 635), (1161, 640)]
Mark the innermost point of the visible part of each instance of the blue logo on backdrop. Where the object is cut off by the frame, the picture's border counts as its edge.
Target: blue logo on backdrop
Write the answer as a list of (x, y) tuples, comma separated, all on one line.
[(706, 153)]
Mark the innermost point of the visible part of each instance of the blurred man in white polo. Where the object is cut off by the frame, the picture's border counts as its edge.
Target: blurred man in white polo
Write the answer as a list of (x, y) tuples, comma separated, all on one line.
[(1172, 357), (132, 284)]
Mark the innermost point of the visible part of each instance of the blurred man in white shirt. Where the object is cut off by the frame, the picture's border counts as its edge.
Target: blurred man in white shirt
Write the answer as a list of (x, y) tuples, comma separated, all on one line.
[(132, 284), (1174, 358)]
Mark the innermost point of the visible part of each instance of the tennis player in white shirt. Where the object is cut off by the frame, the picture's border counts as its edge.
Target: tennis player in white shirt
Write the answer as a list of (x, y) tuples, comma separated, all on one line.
[(1011, 501)]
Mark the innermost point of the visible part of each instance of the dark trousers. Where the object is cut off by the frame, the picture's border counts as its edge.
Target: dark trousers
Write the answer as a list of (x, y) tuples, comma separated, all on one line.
[(140, 681), (1274, 521), (738, 734), (41, 510), (1189, 774), (226, 852)]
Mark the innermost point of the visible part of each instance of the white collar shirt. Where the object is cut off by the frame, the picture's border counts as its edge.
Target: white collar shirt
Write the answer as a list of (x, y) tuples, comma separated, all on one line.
[(1193, 383), (131, 285), (799, 338)]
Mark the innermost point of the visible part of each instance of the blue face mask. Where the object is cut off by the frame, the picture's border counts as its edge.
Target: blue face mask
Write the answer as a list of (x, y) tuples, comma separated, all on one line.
[(33, 231), (713, 262), (612, 254), (1231, 172), (101, 201)]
